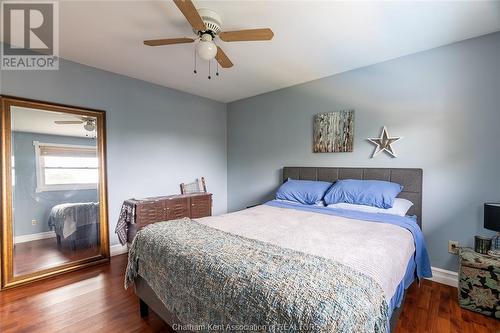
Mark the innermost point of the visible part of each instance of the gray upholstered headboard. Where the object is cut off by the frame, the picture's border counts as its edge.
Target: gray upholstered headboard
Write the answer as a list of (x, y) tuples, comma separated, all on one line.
[(411, 179)]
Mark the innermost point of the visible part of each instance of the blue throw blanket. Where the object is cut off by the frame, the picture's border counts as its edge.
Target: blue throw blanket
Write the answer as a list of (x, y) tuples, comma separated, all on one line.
[(216, 281), (423, 266)]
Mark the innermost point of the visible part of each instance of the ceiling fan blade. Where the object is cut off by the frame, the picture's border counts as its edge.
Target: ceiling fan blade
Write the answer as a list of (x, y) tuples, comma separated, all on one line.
[(246, 35), (222, 59), (168, 41), (64, 122), (191, 14)]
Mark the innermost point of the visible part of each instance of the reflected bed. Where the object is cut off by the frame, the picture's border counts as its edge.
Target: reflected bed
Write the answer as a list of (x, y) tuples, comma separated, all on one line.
[(76, 223)]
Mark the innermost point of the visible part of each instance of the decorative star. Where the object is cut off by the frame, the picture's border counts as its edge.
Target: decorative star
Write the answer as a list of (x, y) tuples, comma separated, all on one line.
[(384, 143)]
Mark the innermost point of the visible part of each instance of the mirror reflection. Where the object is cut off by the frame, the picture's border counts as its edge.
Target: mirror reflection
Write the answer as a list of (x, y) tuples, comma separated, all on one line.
[(55, 200)]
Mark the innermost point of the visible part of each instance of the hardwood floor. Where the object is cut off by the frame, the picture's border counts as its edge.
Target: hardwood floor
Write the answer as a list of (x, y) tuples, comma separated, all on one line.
[(44, 253), (93, 300), (433, 307), (90, 300)]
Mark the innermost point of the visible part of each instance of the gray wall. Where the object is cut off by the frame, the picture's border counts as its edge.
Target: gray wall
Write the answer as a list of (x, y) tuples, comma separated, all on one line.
[(446, 104), (29, 205), (156, 137)]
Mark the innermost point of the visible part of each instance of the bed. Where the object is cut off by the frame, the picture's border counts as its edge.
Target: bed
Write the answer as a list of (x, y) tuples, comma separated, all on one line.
[(76, 224), (282, 266)]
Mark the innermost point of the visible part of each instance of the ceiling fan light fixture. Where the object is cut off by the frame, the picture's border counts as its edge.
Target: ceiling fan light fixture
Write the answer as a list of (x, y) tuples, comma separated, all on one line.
[(206, 48), (89, 126), (206, 25), (211, 19)]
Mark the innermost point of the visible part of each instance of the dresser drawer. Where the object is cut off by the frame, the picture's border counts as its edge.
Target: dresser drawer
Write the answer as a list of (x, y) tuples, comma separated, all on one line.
[(201, 206), (150, 212), (178, 208)]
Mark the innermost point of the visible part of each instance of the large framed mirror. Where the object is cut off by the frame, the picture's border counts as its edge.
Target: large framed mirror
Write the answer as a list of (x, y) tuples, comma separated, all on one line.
[(54, 202)]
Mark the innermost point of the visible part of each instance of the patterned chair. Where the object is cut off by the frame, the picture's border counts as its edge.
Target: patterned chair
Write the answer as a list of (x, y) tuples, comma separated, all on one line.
[(479, 288)]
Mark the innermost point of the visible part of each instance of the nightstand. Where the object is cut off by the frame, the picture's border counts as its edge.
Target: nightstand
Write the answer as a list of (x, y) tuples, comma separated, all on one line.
[(478, 287)]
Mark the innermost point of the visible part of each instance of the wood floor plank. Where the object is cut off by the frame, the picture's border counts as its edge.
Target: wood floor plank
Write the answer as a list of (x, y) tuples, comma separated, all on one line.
[(433, 310), (94, 300), (45, 253)]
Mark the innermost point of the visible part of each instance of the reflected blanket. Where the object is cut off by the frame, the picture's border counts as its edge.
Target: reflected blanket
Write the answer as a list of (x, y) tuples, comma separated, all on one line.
[(66, 218), (218, 281)]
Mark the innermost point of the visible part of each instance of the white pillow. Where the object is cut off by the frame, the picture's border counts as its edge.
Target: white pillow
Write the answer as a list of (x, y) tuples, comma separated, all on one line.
[(400, 207)]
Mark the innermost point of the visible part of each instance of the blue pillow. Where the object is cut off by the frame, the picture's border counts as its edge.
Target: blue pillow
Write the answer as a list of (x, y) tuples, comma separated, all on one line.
[(307, 192), (376, 193)]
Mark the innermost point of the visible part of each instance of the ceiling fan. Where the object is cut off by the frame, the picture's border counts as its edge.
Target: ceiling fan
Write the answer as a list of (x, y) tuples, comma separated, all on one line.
[(206, 25), (89, 123)]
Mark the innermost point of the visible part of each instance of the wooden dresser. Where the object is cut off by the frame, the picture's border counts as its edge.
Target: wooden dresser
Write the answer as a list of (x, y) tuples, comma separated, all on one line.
[(157, 209)]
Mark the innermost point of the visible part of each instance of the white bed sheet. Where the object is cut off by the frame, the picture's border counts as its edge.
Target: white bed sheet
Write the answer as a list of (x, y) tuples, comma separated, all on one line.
[(379, 250)]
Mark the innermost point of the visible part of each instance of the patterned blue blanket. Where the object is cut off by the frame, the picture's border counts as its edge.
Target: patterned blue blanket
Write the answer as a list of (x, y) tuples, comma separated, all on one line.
[(217, 281)]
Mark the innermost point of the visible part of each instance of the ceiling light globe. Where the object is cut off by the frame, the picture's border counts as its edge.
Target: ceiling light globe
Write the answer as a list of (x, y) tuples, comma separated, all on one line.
[(89, 126), (206, 49)]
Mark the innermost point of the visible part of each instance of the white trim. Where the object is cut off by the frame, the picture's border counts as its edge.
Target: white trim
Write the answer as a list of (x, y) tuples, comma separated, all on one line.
[(444, 276), (66, 187), (38, 167), (115, 250), (439, 275), (118, 249), (33, 237), (45, 144), (40, 184)]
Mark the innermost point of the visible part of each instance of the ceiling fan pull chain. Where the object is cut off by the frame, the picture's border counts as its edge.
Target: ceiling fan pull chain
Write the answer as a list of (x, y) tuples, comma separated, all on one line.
[(217, 71), (209, 77), (195, 62)]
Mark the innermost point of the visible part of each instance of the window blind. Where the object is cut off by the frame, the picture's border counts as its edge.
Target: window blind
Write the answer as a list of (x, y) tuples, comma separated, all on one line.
[(68, 151)]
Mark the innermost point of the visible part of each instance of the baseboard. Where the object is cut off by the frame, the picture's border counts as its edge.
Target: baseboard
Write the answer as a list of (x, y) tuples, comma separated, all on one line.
[(439, 275), (34, 237), (118, 249), (444, 276)]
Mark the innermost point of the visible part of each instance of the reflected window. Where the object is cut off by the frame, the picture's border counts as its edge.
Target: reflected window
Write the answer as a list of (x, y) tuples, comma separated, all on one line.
[(65, 167)]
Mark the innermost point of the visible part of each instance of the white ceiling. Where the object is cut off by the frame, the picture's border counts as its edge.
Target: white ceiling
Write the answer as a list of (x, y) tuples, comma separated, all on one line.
[(41, 121), (312, 39)]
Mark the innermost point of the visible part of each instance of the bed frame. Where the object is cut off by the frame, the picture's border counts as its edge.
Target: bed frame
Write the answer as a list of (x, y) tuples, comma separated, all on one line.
[(411, 179)]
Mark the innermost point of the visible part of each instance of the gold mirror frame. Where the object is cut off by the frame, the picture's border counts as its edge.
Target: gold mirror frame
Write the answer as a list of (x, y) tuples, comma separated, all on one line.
[(8, 279)]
